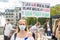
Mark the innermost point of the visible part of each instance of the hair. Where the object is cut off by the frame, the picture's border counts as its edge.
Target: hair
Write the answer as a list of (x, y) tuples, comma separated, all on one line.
[(56, 22), (26, 29), (59, 25), (55, 26), (38, 23)]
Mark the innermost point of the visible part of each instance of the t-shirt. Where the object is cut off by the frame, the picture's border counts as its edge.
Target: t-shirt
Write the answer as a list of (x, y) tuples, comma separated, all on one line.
[(48, 29), (34, 29), (17, 38), (8, 27)]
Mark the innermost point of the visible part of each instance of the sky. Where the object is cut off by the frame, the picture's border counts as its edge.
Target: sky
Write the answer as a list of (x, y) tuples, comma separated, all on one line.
[(10, 4)]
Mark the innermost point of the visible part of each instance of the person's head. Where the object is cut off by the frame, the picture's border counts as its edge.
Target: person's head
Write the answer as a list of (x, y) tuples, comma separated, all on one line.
[(22, 25), (47, 20), (7, 21), (37, 24)]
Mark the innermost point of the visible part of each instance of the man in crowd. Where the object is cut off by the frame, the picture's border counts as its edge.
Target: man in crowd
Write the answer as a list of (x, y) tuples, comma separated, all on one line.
[(47, 28), (7, 30)]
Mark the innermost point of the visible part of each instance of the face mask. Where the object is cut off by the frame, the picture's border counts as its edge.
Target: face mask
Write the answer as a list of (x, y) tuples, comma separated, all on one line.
[(22, 27)]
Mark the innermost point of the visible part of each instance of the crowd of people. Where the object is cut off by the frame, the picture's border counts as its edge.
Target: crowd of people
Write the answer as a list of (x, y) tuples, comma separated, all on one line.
[(23, 32)]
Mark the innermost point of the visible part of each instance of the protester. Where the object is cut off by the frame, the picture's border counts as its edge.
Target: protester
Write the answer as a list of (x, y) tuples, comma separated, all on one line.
[(55, 26), (47, 28), (7, 30), (35, 30), (22, 32), (58, 31), (36, 26)]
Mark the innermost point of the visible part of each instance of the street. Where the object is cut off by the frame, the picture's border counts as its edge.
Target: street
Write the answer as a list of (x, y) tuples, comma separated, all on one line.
[(48, 38), (1, 37)]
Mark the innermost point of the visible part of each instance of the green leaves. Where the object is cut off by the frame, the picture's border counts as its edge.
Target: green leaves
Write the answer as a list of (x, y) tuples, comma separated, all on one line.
[(55, 10), (31, 20)]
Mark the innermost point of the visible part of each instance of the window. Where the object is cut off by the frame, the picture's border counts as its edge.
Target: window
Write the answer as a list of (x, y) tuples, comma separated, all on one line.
[(6, 16), (19, 8), (19, 15), (47, 6), (16, 16), (38, 5), (42, 5), (9, 16)]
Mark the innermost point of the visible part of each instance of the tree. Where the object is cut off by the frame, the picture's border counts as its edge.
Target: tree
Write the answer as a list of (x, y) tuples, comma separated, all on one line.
[(31, 20), (55, 10)]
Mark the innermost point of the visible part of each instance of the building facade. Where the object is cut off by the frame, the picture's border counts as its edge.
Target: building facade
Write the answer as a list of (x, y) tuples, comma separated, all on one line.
[(13, 14), (9, 14)]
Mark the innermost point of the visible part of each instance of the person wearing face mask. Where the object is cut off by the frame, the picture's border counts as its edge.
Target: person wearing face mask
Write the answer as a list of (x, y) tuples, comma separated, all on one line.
[(22, 32), (7, 30)]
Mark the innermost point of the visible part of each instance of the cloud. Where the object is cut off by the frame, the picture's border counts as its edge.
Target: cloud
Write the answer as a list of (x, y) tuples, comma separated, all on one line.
[(8, 5)]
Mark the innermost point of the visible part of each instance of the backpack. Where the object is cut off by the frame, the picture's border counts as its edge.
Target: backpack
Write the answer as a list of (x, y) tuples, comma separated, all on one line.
[(25, 38), (33, 34)]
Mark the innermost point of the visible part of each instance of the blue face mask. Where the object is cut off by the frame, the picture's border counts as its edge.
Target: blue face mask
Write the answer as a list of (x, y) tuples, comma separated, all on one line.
[(22, 27)]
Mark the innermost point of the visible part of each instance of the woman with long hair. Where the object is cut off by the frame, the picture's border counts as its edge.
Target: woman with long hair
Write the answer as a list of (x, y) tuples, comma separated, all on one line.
[(58, 31), (55, 26), (22, 32)]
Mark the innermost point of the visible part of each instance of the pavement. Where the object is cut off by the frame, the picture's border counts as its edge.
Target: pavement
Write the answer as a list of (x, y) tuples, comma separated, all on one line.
[(1, 37), (48, 37)]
